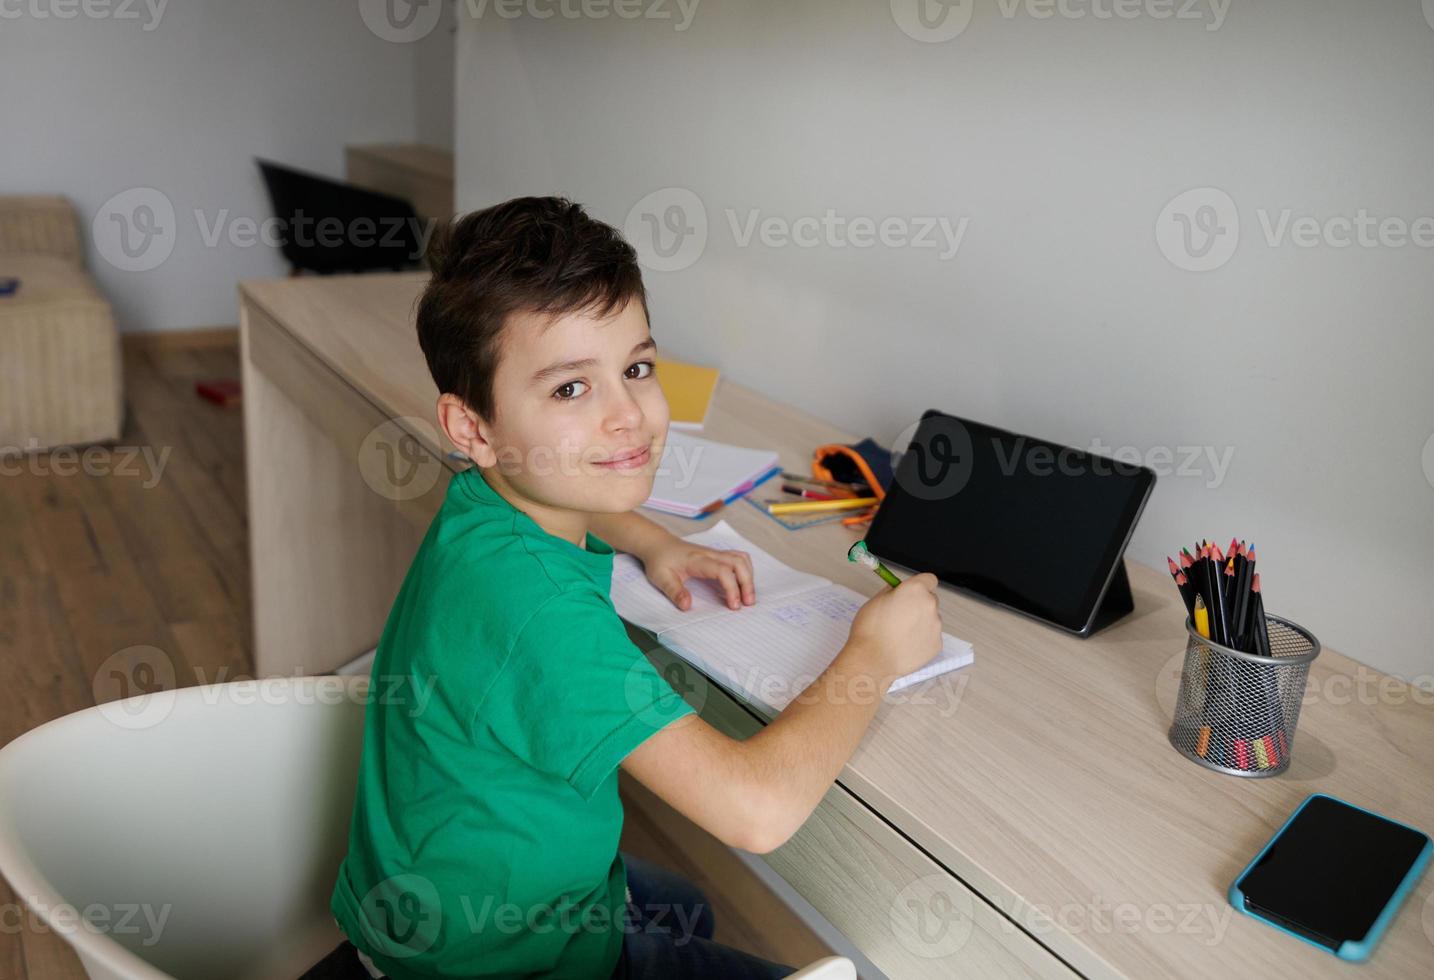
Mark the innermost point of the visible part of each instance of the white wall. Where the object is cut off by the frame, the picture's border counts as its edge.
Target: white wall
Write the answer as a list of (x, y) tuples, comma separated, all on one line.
[(434, 82), (1061, 140), (95, 106)]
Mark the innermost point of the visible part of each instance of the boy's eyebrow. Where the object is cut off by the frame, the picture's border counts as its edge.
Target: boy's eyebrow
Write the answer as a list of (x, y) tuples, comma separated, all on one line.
[(554, 370)]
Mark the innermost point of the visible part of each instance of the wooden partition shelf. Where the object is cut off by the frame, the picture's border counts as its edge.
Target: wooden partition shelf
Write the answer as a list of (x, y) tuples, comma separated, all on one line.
[(1022, 817)]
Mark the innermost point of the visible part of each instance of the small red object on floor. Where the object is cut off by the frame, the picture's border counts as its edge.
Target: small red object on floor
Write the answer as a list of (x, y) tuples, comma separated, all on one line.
[(221, 391)]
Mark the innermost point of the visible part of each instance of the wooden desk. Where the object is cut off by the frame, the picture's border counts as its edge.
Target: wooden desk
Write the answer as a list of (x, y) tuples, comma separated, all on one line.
[(1023, 817)]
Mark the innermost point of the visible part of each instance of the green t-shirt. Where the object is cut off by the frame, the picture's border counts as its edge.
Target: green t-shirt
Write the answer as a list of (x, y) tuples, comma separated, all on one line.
[(505, 693)]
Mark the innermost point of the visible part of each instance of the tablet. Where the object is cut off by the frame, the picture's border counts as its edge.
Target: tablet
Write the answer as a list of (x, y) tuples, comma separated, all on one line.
[(1334, 875), (1031, 525)]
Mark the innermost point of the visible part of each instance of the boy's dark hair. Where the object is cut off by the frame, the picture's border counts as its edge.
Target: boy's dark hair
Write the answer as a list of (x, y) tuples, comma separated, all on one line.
[(541, 255)]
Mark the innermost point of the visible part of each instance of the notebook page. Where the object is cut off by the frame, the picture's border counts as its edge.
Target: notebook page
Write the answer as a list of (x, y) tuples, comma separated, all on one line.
[(693, 472), (639, 601), (769, 653)]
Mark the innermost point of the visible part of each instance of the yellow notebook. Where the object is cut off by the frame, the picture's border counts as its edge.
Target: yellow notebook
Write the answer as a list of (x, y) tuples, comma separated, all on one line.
[(689, 389)]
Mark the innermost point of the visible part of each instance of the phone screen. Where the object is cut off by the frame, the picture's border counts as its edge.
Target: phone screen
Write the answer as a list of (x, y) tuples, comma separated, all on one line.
[(1331, 872)]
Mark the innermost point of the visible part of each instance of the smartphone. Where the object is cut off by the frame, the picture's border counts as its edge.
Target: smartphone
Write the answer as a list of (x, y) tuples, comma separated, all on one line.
[(1334, 875)]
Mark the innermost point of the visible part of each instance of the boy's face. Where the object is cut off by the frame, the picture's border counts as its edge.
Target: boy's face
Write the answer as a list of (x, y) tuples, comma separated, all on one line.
[(579, 418)]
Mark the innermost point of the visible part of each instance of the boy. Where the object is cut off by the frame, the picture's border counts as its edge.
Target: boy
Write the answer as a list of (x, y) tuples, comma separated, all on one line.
[(484, 837)]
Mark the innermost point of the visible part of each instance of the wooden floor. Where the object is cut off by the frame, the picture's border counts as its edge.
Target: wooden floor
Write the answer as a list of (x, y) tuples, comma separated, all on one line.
[(142, 559)]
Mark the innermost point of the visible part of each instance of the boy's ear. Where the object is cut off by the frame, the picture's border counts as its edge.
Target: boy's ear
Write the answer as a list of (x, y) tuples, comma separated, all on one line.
[(465, 430)]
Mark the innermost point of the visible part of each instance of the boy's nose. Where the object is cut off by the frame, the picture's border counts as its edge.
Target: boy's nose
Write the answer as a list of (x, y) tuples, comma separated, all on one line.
[(623, 412)]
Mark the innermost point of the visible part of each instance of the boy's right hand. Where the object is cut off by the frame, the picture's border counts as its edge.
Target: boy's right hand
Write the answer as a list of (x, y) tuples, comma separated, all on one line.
[(900, 627)]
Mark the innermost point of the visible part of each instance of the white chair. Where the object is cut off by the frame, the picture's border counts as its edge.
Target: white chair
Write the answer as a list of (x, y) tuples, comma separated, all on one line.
[(195, 833)]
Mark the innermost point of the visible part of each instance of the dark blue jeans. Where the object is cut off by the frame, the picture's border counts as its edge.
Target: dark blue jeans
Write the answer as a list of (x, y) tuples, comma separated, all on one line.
[(668, 933)]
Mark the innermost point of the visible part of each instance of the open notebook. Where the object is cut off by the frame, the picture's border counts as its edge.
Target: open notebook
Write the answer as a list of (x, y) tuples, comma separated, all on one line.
[(767, 652), (696, 475)]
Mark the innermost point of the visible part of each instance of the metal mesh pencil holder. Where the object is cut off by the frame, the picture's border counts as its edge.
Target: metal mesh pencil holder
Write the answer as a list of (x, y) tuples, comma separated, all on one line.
[(1236, 711)]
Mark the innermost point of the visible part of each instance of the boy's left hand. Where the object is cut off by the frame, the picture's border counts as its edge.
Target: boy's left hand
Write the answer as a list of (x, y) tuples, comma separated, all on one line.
[(675, 561)]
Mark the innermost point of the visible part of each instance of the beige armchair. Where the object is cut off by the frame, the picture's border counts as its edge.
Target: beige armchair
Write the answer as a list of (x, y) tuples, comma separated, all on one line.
[(60, 372)]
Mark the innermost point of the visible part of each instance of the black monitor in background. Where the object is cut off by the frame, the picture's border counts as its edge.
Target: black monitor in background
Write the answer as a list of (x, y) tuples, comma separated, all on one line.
[(1031, 525), (331, 227)]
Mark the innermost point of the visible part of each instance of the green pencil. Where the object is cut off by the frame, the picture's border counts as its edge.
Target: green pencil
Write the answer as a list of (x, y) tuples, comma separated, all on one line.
[(861, 556)]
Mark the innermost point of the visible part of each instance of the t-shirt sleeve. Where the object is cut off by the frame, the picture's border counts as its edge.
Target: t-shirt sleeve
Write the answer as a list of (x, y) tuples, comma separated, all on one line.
[(575, 695)]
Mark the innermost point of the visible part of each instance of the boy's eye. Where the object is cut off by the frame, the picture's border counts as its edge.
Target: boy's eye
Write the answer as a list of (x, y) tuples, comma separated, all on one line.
[(639, 366), (566, 393)]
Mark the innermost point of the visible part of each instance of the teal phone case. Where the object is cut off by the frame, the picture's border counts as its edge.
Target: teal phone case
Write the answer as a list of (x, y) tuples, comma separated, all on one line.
[(1355, 951)]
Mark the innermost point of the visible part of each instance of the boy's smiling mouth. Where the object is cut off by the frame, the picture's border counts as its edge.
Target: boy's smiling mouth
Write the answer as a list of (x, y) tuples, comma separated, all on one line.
[(628, 459)]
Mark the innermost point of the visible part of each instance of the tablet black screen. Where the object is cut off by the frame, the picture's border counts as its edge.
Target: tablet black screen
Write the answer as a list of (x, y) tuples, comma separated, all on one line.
[(1031, 524)]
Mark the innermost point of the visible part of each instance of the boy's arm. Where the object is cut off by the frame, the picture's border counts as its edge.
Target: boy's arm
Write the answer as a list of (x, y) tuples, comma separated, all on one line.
[(630, 532), (754, 794)]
